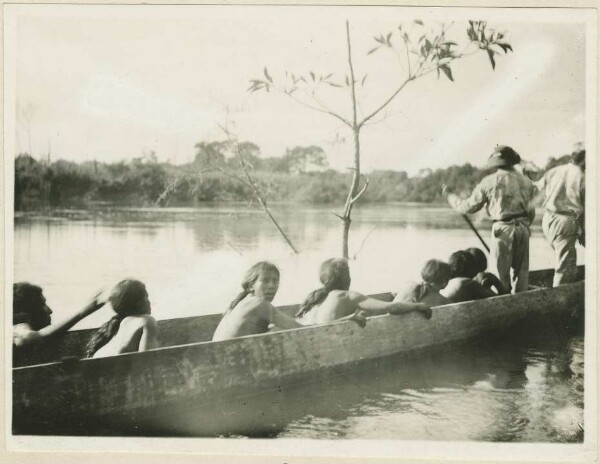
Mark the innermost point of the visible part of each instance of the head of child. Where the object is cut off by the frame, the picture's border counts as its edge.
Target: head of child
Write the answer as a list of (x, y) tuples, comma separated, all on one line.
[(436, 274), (479, 259), (578, 156), (262, 281), (29, 306), (462, 264), (130, 298), (335, 274)]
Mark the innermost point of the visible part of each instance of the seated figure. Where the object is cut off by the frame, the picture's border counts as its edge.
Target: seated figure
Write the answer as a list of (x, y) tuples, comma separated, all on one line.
[(461, 286), (335, 300), (487, 279), (435, 275), (131, 329), (32, 316), (252, 312)]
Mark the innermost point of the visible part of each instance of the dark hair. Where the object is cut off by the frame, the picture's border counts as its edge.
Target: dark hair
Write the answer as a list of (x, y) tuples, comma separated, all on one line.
[(126, 298), (578, 157), (479, 259), (334, 274), (434, 272), (462, 264), (29, 306), (250, 278)]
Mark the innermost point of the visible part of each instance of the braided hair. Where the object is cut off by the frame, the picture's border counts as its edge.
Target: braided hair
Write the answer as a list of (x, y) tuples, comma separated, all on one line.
[(334, 274)]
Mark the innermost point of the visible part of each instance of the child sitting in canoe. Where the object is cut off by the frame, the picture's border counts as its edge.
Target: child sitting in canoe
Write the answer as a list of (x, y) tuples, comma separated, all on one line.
[(32, 316), (487, 279), (334, 300), (435, 275), (461, 286), (131, 329), (251, 312)]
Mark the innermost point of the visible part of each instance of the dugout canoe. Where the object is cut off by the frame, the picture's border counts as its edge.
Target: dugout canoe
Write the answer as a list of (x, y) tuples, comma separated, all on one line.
[(145, 391)]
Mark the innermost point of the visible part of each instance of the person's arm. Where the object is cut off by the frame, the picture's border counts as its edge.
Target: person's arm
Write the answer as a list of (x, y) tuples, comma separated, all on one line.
[(149, 340), (471, 205), (489, 280), (280, 319), (480, 292), (359, 316), (26, 337), (376, 307)]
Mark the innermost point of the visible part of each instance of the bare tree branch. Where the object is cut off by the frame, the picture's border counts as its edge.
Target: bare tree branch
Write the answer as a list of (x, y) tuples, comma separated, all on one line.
[(387, 101), (362, 191), (321, 109), (407, 57), (233, 176), (250, 182), (364, 241)]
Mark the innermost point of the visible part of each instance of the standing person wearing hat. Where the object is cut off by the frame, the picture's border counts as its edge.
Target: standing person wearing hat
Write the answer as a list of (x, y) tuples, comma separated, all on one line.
[(563, 223), (507, 196)]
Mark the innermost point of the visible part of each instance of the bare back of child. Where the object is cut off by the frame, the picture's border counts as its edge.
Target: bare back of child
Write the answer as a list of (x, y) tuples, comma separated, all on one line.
[(131, 329), (136, 333)]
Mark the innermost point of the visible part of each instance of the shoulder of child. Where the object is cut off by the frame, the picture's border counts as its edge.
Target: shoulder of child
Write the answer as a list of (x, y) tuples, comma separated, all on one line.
[(143, 320), (354, 297), (407, 294)]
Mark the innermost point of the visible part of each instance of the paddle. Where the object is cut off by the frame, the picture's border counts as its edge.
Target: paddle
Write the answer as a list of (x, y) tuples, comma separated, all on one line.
[(445, 192), (466, 218)]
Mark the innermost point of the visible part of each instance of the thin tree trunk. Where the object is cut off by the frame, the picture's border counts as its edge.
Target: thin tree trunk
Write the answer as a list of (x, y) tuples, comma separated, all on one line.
[(347, 216)]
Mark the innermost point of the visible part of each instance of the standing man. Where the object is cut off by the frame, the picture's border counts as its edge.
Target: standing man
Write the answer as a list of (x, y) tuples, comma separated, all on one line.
[(563, 223), (507, 196)]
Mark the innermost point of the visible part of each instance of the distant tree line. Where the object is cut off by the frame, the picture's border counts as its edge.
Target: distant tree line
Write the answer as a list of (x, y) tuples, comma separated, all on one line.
[(301, 175)]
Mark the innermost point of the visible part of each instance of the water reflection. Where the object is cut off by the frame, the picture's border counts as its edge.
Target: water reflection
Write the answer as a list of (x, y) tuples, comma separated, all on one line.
[(520, 388)]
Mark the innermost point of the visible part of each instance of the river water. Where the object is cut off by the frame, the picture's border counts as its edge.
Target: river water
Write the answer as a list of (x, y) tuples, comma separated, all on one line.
[(525, 388)]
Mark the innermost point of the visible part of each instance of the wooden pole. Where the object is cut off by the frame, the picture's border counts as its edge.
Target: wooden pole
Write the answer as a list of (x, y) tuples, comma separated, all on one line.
[(466, 218)]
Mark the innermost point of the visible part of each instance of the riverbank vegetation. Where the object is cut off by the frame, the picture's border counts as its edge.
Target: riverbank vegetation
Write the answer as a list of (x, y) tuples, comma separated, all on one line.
[(299, 176)]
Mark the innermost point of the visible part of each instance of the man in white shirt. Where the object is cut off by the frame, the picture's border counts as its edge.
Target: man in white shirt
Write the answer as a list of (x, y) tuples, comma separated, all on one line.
[(563, 224)]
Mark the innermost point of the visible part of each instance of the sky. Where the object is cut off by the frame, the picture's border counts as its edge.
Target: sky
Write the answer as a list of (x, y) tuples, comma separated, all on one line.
[(115, 82)]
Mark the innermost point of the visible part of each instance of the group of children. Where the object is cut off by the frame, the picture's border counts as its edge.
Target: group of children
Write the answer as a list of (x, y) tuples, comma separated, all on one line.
[(462, 278)]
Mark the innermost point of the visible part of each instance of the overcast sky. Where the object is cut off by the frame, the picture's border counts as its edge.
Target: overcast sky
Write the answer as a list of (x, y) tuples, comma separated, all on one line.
[(114, 82)]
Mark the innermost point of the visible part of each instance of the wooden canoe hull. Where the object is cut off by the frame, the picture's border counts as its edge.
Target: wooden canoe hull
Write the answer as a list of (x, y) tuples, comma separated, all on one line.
[(134, 390)]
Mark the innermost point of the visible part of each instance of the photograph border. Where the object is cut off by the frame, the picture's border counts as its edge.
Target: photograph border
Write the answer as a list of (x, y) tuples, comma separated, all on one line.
[(215, 450)]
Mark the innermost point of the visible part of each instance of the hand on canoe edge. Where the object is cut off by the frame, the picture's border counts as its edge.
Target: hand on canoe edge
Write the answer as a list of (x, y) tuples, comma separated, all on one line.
[(360, 317), (425, 310)]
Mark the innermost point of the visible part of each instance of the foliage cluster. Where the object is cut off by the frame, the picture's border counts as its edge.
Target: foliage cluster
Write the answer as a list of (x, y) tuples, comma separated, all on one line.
[(141, 182)]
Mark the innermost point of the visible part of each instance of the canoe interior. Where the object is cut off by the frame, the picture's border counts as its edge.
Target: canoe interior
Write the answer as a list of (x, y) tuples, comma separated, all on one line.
[(182, 331)]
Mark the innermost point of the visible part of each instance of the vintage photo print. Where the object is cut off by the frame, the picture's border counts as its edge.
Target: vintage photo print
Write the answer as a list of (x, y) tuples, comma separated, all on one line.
[(284, 232)]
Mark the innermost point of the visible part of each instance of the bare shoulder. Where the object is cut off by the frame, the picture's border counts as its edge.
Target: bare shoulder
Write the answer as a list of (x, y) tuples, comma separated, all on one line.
[(145, 320), (354, 297), (253, 304)]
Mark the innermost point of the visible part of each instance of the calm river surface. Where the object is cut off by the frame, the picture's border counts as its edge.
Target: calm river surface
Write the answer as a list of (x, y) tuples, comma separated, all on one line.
[(527, 388)]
